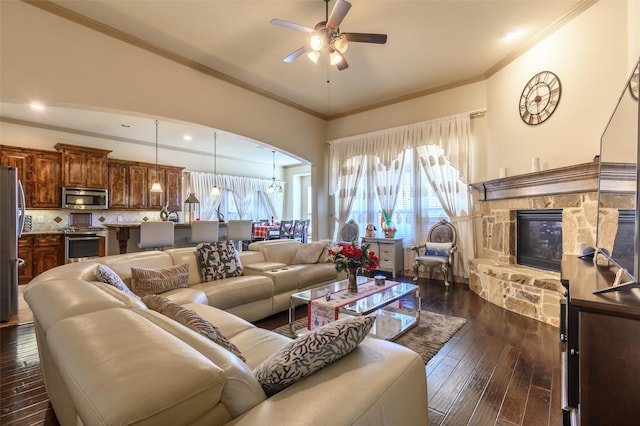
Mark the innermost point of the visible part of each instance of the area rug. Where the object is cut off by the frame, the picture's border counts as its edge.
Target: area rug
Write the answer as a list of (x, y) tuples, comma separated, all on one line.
[(426, 338)]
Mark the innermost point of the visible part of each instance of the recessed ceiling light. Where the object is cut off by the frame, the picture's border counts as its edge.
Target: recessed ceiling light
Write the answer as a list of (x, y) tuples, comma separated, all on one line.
[(512, 35), (38, 107), (187, 137)]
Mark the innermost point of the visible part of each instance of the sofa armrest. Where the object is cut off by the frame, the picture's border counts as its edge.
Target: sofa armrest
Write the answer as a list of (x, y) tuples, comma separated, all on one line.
[(378, 383)]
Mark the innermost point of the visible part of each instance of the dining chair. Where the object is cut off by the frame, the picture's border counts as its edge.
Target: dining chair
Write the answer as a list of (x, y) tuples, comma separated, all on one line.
[(286, 229), (156, 235), (204, 231), (300, 228)]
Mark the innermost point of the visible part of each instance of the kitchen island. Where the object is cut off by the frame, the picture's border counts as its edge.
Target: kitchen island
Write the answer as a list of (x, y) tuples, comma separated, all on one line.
[(127, 236)]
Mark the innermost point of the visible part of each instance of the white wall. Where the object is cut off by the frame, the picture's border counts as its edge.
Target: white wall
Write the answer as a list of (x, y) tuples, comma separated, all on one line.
[(593, 55)]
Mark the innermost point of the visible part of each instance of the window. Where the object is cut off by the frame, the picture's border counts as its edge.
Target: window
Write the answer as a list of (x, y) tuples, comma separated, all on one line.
[(416, 198)]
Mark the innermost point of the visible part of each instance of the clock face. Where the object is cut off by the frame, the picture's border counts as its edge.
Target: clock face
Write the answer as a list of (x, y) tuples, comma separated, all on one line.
[(634, 83), (540, 98)]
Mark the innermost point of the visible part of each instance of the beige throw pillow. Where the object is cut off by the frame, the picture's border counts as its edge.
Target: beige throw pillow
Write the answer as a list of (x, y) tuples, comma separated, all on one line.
[(154, 281), (308, 253)]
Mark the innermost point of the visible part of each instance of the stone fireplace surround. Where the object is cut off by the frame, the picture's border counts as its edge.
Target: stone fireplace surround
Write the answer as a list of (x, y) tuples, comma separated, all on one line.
[(494, 275)]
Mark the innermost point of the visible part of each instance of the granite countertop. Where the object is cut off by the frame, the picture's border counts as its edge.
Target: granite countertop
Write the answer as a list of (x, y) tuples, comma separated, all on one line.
[(137, 225), (49, 231)]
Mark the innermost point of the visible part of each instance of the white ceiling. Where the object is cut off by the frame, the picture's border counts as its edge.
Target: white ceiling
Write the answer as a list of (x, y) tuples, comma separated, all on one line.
[(431, 44)]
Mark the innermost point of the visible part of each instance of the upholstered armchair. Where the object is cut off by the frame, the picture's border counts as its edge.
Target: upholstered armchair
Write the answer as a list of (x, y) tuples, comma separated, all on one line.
[(437, 251)]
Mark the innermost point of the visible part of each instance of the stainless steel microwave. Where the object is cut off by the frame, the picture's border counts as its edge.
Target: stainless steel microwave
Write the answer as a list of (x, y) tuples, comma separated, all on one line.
[(84, 198)]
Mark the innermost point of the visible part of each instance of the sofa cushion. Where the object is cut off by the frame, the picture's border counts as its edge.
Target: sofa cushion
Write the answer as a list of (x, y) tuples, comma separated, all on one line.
[(218, 260), (190, 319), (308, 253), (108, 276), (311, 352), (153, 281)]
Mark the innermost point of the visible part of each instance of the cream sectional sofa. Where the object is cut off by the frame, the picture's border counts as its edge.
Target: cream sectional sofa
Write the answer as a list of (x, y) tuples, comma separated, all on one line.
[(108, 359)]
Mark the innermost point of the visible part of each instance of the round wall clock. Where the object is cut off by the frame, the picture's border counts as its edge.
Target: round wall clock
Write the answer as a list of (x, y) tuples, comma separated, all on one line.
[(634, 84), (540, 97)]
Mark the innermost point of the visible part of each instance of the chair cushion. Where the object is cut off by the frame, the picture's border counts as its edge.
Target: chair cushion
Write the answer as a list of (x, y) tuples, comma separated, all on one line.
[(153, 281), (108, 276), (311, 352), (438, 249), (218, 260), (190, 319)]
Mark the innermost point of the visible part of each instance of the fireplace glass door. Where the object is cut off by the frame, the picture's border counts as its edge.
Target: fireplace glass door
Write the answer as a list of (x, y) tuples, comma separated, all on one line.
[(539, 238)]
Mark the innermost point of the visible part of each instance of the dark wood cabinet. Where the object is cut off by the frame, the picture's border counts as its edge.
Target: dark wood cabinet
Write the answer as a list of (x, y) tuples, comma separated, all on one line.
[(600, 359), (84, 167), (40, 253), (40, 174), (130, 183), (118, 185)]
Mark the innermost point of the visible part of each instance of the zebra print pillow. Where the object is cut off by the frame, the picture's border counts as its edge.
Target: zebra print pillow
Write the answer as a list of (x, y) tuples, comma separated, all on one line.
[(311, 352), (218, 260), (153, 281)]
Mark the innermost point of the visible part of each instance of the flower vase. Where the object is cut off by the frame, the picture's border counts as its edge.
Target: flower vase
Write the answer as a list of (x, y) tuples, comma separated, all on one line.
[(353, 280)]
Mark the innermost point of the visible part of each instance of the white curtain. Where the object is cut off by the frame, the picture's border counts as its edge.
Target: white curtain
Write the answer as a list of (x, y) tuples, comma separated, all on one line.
[(244, 191), (350, 175), (201, 184), (387, 177), (451, 136), (455, 199)]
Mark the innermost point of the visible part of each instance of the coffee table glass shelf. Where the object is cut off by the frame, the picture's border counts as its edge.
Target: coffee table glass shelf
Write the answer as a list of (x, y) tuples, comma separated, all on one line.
[(390, 322)]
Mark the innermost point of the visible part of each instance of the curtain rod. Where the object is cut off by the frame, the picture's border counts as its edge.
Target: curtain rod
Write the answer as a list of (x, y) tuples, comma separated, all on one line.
[(478, 113)]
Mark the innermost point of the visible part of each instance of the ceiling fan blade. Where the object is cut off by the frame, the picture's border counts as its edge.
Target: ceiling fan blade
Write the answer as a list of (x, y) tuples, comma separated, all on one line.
[(342, 65), (291, 25), (366, 38), (338, 13), (301, 51)]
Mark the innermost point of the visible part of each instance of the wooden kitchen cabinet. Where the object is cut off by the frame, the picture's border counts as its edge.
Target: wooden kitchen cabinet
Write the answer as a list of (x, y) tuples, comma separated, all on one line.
[(40, 253), (83, 167), (129, 184), (25, 272), (390, 252), (40, 174)]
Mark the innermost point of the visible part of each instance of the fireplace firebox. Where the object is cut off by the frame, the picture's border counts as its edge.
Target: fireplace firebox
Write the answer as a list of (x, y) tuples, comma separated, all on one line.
[(539, 238)]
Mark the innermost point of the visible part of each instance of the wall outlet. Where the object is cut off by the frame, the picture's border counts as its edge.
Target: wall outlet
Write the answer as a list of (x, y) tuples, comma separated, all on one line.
[(119, 219), (40, 219)]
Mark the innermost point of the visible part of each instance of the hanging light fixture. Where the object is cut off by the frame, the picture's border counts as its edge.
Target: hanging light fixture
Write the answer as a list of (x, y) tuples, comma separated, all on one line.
[(155, 186), (215, 190), (274, 187)]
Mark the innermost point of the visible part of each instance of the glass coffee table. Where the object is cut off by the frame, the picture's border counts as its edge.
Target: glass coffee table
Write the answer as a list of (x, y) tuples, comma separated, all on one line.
[(390, 323)]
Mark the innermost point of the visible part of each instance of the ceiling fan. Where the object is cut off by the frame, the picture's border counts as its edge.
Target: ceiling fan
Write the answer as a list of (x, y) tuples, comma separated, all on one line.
[(327, 34)]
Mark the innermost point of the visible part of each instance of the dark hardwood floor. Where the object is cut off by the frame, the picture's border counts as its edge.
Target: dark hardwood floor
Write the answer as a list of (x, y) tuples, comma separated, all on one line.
[(499, 369)]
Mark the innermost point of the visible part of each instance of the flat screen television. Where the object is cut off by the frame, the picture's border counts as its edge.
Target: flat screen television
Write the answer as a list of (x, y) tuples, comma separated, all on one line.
[(618, 222)]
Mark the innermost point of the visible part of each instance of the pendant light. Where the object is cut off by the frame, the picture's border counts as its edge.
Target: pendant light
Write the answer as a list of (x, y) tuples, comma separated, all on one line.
[(215, 190), (155, 186), (274, 187)]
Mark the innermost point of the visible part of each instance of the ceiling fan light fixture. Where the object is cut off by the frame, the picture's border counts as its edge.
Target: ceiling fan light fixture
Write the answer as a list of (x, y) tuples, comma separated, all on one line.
[(341, 44), (314, 55), (316, 42), (335, 57)]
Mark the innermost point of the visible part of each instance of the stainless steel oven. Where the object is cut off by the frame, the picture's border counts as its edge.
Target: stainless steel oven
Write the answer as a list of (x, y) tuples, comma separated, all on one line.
[(83, 244)]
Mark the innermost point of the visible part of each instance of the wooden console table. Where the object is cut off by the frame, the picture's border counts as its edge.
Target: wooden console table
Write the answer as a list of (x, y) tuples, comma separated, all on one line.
[(600, 360)]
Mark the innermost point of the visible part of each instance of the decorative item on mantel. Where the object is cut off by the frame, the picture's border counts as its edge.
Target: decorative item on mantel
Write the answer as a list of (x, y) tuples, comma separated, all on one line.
[(349, 257), (192, 208), (388, 227)]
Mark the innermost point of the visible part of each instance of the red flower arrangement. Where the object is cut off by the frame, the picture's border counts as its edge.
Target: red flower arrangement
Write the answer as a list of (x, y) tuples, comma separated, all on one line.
[(350, 256)]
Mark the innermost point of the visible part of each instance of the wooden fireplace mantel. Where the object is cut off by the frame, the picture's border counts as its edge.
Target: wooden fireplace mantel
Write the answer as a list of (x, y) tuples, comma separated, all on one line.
[(620, 177)]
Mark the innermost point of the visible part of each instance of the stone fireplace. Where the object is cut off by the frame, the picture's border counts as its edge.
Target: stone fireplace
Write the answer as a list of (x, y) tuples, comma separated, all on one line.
[(495, 274)]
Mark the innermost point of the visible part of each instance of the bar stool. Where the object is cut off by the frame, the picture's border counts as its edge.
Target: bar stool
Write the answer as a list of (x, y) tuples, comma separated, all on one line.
[(156, 235), (204, 231)]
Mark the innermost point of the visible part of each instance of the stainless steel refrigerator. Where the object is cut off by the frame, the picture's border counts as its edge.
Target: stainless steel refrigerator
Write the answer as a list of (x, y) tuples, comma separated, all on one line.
[(12, 215)]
